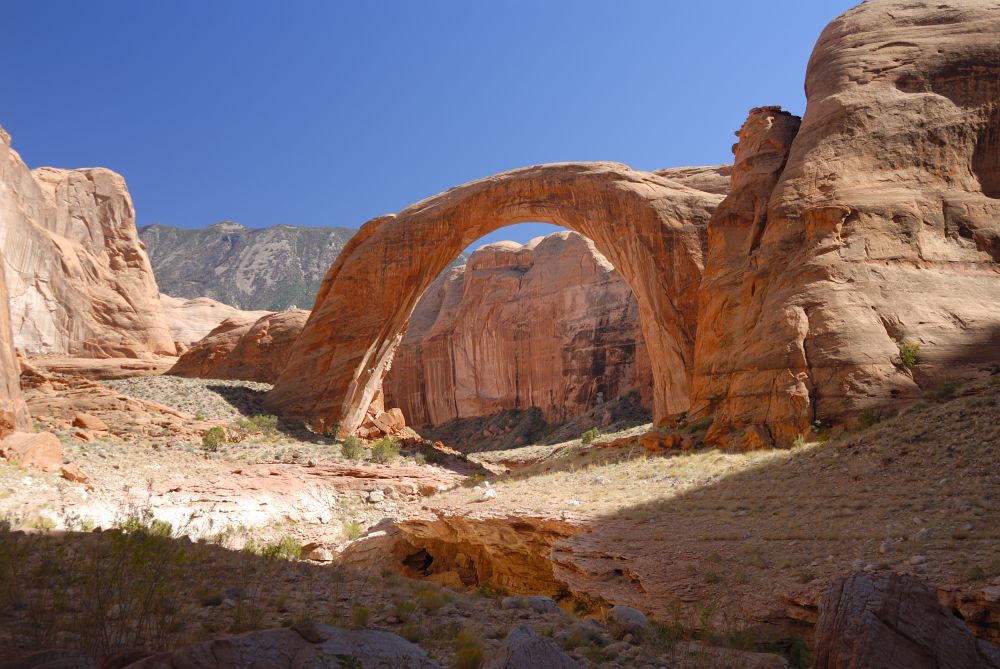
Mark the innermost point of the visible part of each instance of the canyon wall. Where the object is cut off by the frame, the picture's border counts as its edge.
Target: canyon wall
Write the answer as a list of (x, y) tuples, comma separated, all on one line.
[(78, 278), (875, 224), (548, 324), (13, 411)]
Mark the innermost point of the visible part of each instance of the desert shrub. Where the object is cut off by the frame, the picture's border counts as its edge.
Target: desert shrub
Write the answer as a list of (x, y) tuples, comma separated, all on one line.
[(403, 609), (469, 652), (353, 530), (411, 633), (287, 548), (908, 353), (266, 424), (799, 441), (868, 417), (432, 599), (589, 436), (798, 654), (213, 438), (385, 450), (352, 448), (943, 391), (360, 615)]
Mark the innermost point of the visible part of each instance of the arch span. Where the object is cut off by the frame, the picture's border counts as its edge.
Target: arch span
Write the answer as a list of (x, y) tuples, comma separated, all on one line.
[(649, 226)]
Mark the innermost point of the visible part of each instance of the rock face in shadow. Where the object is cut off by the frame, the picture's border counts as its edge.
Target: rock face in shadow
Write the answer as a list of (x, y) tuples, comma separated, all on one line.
[(870, 622), (78, 278), (13, 411), (250, 350), (304, 646), (883, 228), (650, 227), (548, 324)]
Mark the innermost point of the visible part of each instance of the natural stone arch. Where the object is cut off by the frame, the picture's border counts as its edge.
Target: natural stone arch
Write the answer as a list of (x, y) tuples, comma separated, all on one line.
[(649, 226)]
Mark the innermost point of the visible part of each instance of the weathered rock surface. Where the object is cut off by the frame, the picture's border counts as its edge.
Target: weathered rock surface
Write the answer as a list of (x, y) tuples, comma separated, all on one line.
[(870, 622), (650, 227), (524, 648), (548, 324), (192, 320), (251, 350), (13, 411), (40, 450), (883, 227), (307, 646), (78, 278)]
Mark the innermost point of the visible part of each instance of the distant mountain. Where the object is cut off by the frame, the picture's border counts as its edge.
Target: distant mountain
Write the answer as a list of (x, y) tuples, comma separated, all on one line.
[(249, 268)]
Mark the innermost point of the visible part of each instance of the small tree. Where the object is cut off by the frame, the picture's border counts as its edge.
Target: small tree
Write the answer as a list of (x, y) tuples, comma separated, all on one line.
[(213, 438)]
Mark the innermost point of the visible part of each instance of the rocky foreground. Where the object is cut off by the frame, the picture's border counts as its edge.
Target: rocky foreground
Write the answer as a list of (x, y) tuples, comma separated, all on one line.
[(731, 548)]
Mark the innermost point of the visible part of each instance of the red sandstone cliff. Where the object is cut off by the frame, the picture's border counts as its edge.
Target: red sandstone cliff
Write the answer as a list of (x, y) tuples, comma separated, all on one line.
[(78, 278), (549, 324)]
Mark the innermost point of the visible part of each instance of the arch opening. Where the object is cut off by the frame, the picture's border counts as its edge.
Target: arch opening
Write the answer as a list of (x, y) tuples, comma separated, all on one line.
[(525, 336), (649, 227)]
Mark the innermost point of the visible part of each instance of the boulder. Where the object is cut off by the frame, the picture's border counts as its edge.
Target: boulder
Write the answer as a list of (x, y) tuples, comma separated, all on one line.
[(870, 622), (243, 348), (626, 620), (79, 279), (308, 646), (50, 659), (523, 648), (40, 450), (72, 472), (88, 422)]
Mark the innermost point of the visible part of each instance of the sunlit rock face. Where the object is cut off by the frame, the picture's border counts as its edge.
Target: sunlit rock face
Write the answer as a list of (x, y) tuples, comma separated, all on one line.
[(882, 227), (548, 324), (244, 347), (13, 412), (651, 227), (78, 278)]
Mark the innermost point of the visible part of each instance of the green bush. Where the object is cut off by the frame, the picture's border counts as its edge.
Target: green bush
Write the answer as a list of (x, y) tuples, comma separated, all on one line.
[(213, 438), (353, 530), (352, 448), (287, 548), (589, 436), (266, 424), (385, 450), (908, 353)]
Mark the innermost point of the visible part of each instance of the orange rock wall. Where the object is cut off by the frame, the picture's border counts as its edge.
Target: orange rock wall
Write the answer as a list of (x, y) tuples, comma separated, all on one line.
[(548, 324), (79, 280)]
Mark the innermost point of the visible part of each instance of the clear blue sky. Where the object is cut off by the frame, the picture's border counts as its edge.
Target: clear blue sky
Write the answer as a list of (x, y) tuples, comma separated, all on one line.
[(332, 112)]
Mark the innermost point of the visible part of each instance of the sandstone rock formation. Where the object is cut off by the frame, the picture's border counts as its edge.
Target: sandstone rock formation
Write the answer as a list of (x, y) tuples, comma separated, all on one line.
[(650, 227), (13, 411), (882, 228), (869, 622), (548, 324), (78, 278), (251, 350), (524, 648), (192, 320)]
